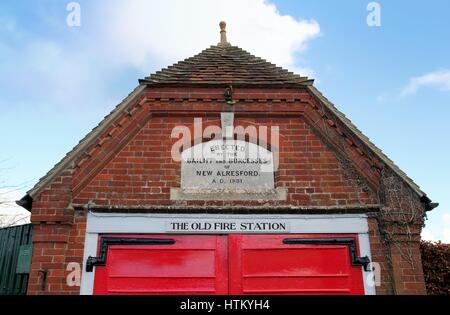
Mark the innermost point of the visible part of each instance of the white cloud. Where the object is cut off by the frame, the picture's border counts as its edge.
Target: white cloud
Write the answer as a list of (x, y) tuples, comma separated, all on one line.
[(304, 71), (51, 73), (138, 32), (438, 232), (381, 98), (438, 79), (446, 232), (428, 236)]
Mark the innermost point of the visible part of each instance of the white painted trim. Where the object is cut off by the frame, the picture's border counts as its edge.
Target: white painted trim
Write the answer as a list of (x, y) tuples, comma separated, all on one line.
[(364, 250), (87, 278), (101, 223), (156, 223)]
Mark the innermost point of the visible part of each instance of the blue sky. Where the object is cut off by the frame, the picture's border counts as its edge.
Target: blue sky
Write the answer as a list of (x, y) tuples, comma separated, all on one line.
[(393, 81)]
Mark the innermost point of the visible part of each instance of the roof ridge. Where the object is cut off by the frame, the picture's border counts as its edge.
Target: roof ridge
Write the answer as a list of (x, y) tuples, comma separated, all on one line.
[(218, 62)]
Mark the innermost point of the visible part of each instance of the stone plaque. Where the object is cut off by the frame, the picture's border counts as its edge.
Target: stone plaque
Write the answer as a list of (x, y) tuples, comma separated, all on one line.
[(227, 165)]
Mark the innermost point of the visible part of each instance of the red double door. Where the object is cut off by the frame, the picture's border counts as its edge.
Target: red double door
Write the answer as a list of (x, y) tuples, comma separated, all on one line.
[(227, 264)]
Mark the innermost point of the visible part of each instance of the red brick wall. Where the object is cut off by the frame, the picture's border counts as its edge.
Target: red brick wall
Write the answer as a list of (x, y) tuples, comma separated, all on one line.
[(129, 164), (143, 171), (399, 260), (380, 256)]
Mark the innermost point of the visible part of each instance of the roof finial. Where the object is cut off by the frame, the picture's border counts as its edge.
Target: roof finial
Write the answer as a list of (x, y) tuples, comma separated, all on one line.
[(223, 32)]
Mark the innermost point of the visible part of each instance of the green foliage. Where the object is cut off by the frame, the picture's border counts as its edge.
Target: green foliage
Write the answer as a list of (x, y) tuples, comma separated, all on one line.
[(436, 267)]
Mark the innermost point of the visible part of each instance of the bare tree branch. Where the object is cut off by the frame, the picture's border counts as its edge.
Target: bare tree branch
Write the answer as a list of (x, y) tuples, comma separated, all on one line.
[(10, 213)]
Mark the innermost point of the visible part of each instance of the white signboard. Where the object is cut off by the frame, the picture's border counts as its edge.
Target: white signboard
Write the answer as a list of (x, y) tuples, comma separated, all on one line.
[(228, 226), (227, 164)]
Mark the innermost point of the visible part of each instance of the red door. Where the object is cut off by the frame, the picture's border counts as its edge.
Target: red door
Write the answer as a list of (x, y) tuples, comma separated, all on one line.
[(191, 265), (229, 264), (264, 264)]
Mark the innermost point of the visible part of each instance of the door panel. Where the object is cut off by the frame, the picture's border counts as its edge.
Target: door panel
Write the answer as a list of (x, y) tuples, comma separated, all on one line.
[(192, 265), (229, 264), (262, 264)]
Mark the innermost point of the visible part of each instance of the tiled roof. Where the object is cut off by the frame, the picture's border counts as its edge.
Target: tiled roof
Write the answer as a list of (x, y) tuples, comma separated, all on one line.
[(225, 64)]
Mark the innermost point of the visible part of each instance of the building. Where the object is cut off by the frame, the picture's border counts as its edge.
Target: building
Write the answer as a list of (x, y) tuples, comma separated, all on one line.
[(226, 174)]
